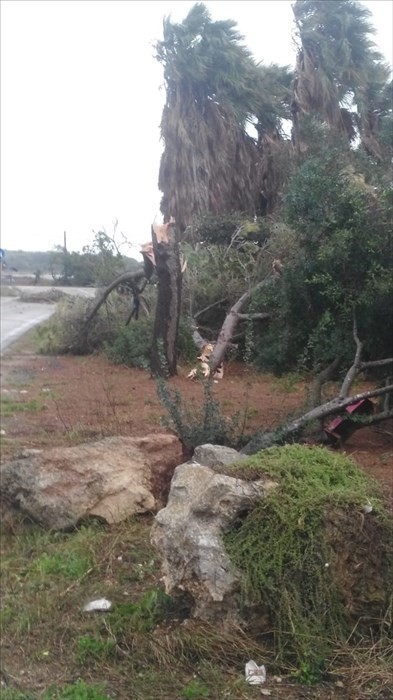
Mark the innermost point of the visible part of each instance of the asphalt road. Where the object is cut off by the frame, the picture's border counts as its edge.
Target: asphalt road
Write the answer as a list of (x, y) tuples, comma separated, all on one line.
[(18, 317)]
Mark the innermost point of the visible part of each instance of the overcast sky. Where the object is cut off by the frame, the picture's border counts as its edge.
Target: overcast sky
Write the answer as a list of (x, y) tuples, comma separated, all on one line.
[(81, 102)]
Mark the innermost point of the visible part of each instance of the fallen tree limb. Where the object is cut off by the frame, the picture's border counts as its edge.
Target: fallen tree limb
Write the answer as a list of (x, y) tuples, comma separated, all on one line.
[(294, 428), (229, 325), (135, 277)]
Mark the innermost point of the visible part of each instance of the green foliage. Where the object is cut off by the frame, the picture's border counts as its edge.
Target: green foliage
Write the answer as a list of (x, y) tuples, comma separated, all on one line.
[(70, 565), (197, 426), (95, 648), (342, 263), (290, 573), (131, 346), (195, 690), (64, 332), (9, 407), (76, 691), (142, 616)]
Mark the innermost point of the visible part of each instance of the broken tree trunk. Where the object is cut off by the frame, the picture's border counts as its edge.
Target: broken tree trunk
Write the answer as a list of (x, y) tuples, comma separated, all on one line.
[(163, 361)]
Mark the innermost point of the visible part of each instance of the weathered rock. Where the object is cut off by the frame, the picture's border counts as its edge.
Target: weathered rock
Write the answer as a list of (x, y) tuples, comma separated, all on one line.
[(202, 504), (215, 455), (110, 479)]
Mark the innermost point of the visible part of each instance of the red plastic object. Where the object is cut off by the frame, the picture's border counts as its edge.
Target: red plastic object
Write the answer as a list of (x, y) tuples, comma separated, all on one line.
[(341, 428)]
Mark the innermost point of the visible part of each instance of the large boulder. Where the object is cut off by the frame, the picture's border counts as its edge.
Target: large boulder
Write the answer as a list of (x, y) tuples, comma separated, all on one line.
[(187, 533), (110, 479)]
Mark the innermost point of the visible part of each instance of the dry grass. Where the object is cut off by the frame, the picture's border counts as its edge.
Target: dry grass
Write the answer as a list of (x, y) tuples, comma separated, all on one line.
[(142, 649)]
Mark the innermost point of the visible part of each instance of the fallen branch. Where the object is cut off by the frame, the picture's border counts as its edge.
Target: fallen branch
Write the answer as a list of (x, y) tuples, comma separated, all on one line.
[(229, 325), (295, 427), (135, 277)]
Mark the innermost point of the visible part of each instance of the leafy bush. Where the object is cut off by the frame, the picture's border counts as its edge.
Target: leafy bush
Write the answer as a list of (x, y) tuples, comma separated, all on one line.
[(131, 346), (64, 332), (197, 426), (341, 262)]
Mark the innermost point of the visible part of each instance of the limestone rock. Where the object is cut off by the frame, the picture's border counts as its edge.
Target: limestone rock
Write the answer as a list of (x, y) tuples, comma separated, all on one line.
[(202, 505), (215, 455), (110, 479)]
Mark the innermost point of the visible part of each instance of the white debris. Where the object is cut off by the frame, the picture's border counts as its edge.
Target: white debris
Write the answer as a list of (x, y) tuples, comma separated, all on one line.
[(255, 675), (99, 605)]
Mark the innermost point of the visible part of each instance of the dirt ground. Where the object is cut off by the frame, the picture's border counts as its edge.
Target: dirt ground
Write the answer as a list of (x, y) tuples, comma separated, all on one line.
[(54, 401), (51, 401)]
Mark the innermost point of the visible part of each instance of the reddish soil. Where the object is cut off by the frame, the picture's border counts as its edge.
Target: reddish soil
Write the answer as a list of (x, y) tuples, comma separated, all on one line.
[(68, 400)]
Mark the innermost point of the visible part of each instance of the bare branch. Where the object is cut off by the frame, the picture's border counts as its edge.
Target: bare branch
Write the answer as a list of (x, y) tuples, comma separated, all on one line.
[(211, 306), (125, 277), (355, 369), (376, 363), (253, 317)]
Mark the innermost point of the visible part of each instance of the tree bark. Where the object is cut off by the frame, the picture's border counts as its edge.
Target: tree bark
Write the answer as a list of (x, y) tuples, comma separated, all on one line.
[(163, 360), (229, 325)]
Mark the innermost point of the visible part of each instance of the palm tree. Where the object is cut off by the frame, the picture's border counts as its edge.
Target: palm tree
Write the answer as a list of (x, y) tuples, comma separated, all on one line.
[(335, 62), (214, 92)]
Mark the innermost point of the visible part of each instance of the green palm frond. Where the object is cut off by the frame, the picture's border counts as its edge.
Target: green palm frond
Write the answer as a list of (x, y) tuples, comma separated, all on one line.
[(336, 60)]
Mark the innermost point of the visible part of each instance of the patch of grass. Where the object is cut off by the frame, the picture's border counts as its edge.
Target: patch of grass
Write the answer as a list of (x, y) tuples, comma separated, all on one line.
[(289, 549), (195, 690), (9, 407), (89, 647), (77, 691), (143, 615), (70, 565), (289, 382)]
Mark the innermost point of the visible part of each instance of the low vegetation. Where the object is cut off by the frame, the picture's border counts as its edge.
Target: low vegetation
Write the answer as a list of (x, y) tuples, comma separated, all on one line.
[(309, 554), (315, 598)]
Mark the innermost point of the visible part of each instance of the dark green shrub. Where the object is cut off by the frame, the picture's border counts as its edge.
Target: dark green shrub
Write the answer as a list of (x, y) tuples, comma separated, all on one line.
[(131, 346), (311, 562)]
